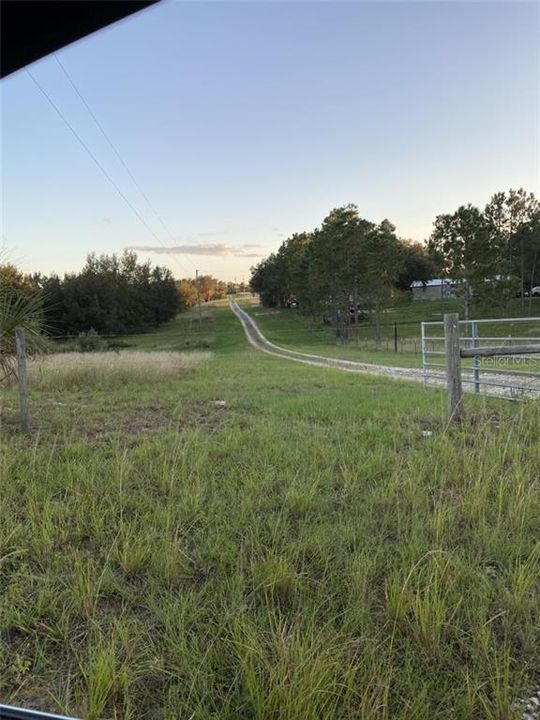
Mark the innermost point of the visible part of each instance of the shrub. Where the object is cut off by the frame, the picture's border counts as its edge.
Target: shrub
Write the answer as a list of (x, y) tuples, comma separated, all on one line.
[(90, 341)]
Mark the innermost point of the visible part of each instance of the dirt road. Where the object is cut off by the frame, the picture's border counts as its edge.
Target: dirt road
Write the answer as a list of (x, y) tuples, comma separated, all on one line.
[(258, 340)]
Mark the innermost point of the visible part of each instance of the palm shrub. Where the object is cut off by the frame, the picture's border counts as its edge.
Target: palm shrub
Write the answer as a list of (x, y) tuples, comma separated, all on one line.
[(19, 309)]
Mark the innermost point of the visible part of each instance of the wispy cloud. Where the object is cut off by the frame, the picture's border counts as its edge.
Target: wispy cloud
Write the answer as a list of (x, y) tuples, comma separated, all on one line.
[(216, 249), (211, 233)]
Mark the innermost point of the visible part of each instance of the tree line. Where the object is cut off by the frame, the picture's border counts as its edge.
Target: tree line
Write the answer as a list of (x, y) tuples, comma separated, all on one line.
[(111, 295), (491, 254), (205, 288), (350, 265)]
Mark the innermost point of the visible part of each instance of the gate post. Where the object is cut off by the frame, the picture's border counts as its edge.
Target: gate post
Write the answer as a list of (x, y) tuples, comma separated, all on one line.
[(453, 366), (424, 353), (476, 360)]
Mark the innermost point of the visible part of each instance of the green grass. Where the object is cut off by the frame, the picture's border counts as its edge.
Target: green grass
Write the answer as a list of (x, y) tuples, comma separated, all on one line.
[(302, 552)]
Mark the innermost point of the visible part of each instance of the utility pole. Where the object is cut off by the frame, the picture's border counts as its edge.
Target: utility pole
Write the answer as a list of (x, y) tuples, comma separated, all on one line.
[(198, 297)]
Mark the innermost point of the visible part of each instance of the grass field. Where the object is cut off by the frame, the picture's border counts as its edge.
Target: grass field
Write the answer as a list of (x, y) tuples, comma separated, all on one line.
[(249, 538)]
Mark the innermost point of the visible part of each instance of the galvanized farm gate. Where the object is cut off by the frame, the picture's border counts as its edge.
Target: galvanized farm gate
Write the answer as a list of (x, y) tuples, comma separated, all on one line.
[(485, 356)]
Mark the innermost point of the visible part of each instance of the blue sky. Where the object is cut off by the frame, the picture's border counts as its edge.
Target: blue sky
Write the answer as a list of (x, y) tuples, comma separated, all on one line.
[(245, 122)]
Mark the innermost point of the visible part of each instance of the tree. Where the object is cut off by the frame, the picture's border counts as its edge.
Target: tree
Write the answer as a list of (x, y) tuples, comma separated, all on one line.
[(163, 294), (337, 263), (382, 261), (527, 243), (268, 280), (204, 289), (329, 271), (111, 295), (417, 265), (12, 277), (465, 250), (188, 293), (505, 214), (53, 304), (210, 288)]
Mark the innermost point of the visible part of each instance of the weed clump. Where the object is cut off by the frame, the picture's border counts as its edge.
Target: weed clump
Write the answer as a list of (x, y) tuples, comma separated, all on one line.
[(90, 341)]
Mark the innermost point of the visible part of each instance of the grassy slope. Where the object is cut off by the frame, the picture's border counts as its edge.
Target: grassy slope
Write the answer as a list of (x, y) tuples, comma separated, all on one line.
[(302, 553)]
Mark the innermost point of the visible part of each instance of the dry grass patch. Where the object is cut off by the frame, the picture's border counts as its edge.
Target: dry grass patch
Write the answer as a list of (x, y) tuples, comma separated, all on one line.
[(71, 419), (110, 369)]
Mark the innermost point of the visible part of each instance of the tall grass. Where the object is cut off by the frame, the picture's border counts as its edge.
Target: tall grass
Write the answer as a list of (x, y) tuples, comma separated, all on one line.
[(103, 370)]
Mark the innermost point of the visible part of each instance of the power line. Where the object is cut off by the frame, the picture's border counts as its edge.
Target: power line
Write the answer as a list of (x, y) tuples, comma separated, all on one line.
[(116, 151), (94, 158)]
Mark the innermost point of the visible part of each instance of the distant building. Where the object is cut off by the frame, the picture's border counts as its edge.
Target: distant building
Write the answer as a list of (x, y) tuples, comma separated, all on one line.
[(436, 289)]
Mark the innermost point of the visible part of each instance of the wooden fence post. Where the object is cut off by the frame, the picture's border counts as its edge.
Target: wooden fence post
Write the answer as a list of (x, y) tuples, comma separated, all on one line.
[(453, 366), (20, 344)]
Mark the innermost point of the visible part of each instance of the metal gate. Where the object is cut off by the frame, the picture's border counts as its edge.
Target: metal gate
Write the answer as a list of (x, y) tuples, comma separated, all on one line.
[(508, 370)]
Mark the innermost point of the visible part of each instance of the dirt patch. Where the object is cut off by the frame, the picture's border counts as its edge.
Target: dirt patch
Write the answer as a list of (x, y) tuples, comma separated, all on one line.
[(129, 424), (70, 421)]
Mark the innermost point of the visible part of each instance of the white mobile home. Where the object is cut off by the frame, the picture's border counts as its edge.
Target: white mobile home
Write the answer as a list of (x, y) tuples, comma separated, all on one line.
[(436, 289)]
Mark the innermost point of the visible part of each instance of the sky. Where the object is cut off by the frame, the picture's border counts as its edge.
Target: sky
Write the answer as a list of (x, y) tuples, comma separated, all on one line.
[(244, 122)]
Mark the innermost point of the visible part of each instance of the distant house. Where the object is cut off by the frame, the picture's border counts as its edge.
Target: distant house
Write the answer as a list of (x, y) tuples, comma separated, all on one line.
[(436, 289)]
